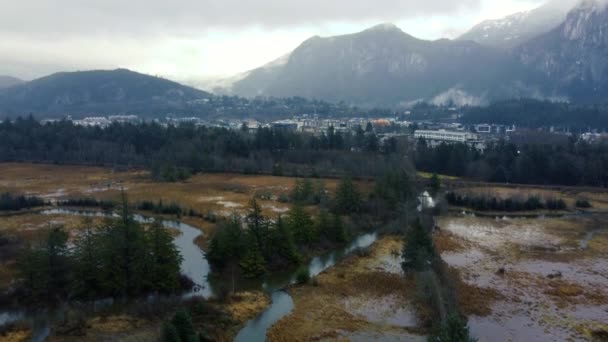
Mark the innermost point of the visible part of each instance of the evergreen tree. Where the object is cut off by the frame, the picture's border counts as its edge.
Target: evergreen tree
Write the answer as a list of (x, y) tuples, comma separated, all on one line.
[(371, 143), (169, 333), (165, 259), (124, 254), (348, 199), (454, 329), (394, 187), (34, 273), (435, 184), (182, 321), (87, 262), (253, 262), (301, 225), (418, 251), (58, 259), (283, 242), (44, 269), (302, 192), (227, 246), (258, 227), (337, 231)]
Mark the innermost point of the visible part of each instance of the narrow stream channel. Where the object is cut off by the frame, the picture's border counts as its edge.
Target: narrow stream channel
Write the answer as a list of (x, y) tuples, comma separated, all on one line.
[(196, 266), (282, 303)]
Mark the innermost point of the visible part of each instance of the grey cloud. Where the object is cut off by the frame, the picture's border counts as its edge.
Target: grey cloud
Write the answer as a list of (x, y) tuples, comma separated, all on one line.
[(73, 17)]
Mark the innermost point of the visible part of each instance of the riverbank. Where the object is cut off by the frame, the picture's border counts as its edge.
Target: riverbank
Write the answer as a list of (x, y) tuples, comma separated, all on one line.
[(363, 297)]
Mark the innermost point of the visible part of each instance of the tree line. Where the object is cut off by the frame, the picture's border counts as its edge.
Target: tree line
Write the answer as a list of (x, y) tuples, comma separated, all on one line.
[(10, 202), (173, 153), (575, 163), (120, 259), (493, 203), (532, 113)]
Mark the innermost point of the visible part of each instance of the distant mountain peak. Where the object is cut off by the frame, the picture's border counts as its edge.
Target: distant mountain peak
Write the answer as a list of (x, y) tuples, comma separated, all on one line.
[(385, 27), (98, 91)]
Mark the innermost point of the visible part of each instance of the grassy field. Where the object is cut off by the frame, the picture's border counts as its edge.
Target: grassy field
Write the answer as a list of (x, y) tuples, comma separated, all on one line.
[(220, 193), (364, 294), (217, 194)]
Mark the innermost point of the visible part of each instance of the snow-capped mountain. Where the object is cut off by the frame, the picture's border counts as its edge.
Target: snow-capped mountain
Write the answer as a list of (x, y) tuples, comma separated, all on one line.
[(519, 28)]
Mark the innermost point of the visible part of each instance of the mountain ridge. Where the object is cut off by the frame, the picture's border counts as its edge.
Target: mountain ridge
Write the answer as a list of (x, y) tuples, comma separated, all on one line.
[(97, 91), (9, 81), (384, 65)]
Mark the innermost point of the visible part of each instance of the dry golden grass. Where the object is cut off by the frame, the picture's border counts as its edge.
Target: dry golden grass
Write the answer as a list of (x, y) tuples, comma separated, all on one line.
[(19, 335), (594, 331), (473, 300), (562, 290), (115, 324), (244, 306), (599, 244), (320, 312), (446, 242), (29, 225), (223, 194), (427, 175)]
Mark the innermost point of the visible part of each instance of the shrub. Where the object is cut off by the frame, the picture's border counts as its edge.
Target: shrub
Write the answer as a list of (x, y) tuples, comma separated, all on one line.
[(485, 203), (10, 202), (583, 203), (555, 204), (303, 276)]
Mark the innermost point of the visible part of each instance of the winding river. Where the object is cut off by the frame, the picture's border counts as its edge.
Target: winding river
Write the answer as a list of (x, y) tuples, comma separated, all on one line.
[(282, 304), (196, 266)]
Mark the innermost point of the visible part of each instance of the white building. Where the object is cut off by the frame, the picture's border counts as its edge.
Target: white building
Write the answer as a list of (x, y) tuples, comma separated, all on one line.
[(446, 136)]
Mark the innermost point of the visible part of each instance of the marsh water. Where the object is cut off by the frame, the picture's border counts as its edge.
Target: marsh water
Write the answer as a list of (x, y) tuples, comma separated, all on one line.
[(545, 248)]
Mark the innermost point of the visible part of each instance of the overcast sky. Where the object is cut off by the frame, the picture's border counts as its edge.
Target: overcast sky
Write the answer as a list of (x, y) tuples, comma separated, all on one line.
[(198, 39)]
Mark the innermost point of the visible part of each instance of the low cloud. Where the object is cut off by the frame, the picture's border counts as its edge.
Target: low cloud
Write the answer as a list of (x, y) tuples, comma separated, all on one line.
[(74, 17)]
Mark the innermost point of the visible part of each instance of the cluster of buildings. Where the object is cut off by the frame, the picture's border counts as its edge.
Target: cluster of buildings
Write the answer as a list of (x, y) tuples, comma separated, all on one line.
[(103, 122), (476, 136), (316, 125), (437, 137)]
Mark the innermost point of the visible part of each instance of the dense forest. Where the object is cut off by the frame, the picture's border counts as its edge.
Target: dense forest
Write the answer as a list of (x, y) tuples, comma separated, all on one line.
[(523, 113), (573, 163), (119, 259), (173, 153), (534, 114)]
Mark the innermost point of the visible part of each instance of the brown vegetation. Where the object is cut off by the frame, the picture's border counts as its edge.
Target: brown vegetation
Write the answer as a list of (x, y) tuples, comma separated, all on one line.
[(320, 308), (244, 306)]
